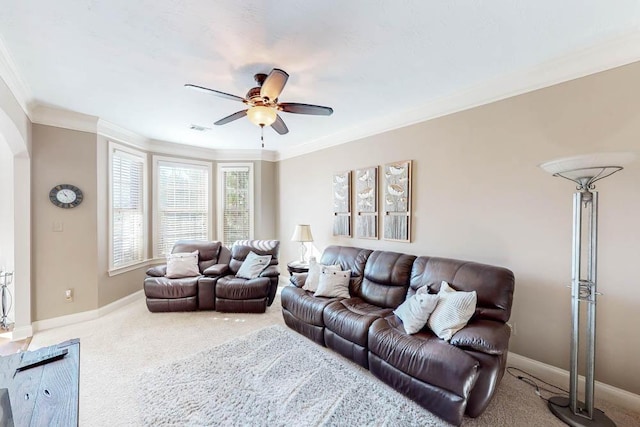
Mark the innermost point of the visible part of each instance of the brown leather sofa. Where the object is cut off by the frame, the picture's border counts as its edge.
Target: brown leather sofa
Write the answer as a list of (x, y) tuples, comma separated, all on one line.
[(216, 287), (449, 379)]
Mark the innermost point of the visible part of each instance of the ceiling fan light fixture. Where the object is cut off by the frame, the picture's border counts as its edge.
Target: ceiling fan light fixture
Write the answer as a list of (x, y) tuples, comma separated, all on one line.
[(262, 116)]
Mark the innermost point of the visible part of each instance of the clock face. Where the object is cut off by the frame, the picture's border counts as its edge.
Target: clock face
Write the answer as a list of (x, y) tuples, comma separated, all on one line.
[(66, 196)]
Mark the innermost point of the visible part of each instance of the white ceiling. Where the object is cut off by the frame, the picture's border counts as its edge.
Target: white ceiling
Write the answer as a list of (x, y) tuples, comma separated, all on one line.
[(380, 64)]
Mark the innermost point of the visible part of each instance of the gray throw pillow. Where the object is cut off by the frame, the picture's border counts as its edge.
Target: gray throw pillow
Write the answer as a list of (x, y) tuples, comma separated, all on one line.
[(182, 264), (253, 265), (453, 311), (333, 284), (415, 311)]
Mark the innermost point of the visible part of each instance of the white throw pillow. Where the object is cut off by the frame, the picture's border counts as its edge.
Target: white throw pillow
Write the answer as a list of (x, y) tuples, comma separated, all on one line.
[(415, 311), (333, 284), (253, 265), (313, 277), (182, 264), (453, 311)]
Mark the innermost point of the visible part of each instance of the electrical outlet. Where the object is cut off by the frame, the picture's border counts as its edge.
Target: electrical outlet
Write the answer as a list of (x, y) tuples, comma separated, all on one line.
[(514, 331), (68, 295)]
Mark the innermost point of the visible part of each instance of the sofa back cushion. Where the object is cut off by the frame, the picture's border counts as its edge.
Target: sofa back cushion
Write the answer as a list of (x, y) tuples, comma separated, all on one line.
[(386, 279), (242, 248), (207, 251), (493, 285), (348, 258)]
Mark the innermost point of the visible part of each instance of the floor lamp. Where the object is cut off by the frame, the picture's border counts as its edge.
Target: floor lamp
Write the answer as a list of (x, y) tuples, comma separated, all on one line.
[(584, 171)]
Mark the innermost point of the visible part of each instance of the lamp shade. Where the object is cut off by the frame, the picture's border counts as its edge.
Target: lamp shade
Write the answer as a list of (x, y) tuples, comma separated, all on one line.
[(302, 233), (588, 168), (262, 116)]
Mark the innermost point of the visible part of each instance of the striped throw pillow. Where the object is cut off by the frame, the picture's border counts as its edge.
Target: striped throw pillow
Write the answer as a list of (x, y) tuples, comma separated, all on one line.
[(453, 311)]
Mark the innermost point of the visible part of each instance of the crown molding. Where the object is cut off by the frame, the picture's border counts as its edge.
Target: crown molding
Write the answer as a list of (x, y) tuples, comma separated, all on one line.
[(57, 117), (115, 132), (177, 149), (9, 73), (612, 53)]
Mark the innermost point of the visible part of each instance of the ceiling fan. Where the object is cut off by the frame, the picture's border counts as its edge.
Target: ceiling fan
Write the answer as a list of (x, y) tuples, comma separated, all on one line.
[(263, 104)]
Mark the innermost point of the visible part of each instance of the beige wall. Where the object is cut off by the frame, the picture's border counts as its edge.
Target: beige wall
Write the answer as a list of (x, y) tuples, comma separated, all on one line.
[(479, 195), (78, 257), (66, 259), (266, 200)]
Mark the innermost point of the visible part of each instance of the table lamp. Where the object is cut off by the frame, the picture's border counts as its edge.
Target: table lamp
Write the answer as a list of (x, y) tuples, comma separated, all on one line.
[(302, 234)]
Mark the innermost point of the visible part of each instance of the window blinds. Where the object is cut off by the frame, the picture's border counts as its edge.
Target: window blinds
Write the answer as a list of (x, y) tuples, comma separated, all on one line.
[(236, 204), (182, 204), (127, 192)]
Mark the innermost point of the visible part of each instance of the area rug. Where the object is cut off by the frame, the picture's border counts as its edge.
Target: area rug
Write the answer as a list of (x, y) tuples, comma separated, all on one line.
[(272, 377)]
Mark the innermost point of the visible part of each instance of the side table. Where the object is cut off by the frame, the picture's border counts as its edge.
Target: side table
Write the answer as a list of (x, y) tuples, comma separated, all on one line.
[(297, 267)]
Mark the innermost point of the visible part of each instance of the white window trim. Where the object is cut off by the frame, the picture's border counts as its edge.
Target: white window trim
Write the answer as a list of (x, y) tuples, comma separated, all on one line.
[(177, 161), (220, 196), (114, 146)]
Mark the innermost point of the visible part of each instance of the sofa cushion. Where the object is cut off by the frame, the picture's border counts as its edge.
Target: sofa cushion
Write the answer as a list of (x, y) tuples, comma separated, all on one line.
[(165, 288), (386, 279), (423, 356), (231, 287), (303, 305), (253, 265), (333, 284), (313, 276), (241, 249), (487, 336), (348, 258), (453, 311), (493, 285), (415, 311), (208, 251), (182, 264), (350, 318)]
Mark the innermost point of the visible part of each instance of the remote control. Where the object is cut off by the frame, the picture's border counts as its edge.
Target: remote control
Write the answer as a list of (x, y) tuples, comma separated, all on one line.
[(42, 359)]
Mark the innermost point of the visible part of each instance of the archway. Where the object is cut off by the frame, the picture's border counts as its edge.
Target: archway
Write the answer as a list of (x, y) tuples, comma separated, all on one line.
[(15, 215)]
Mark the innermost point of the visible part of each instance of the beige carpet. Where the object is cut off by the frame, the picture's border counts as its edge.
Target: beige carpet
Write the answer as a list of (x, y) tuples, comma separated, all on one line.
[(117, 348)]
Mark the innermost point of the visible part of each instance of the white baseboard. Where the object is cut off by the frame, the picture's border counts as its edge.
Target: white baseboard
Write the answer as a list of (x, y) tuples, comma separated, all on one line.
[(21, 333), (70, 319), (560, 377)]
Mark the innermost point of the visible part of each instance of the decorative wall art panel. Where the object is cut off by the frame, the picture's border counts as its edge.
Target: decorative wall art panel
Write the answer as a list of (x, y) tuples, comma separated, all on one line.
[(342, 204), (397, 201), (367, 203)]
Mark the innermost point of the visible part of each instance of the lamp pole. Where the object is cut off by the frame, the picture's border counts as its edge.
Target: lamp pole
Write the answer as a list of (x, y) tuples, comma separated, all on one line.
[(584, 171)]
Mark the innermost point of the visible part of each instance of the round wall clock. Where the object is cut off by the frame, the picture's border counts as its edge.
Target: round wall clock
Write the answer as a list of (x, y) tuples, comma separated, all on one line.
[(66, 196)]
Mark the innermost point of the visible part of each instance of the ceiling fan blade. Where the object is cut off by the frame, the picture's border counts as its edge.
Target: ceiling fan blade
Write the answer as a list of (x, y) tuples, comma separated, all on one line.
[(279, 126), (214, 92), (294, 107), (232, 117), (273, 84)]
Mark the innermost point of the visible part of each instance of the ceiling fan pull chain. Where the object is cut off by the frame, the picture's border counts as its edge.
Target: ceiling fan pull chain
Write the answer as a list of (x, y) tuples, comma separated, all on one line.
[(262, 135)]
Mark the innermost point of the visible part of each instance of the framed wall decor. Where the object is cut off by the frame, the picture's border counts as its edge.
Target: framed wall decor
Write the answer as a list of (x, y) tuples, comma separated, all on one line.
[(367, 203), (342, 204), (397, 201)]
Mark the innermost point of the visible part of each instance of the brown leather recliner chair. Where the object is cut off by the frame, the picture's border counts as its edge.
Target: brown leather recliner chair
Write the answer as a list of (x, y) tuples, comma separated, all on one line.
[(239, 295), (187, 293)]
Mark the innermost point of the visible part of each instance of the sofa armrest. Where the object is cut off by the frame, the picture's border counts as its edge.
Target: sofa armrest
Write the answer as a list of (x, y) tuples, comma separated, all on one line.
[(216, 270), (487, 336), (270, 271), (157, 271), (298, 279)]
